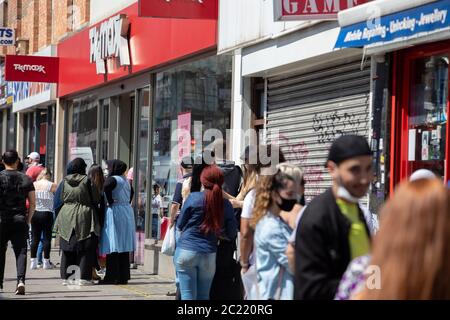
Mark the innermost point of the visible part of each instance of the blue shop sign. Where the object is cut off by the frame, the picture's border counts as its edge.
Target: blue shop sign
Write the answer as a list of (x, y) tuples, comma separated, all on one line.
[(401, 25)]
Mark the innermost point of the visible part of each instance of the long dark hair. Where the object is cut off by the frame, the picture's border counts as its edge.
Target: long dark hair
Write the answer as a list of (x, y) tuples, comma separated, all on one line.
[(212, 180), (199, 165), (97, 177)]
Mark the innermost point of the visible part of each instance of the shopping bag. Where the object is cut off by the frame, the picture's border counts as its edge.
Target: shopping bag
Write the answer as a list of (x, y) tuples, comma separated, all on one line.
[(250, 282), (164, 226), (168, 245)]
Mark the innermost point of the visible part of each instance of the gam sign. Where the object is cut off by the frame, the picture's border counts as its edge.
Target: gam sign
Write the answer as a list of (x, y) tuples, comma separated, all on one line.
[(312, 9)]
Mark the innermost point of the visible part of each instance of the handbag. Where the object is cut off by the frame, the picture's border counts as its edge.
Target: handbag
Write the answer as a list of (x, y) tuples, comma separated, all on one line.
[(168, 245), (250, 281)]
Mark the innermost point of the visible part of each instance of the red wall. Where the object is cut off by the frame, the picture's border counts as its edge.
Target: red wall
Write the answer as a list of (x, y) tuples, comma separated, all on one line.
[(152, 42)]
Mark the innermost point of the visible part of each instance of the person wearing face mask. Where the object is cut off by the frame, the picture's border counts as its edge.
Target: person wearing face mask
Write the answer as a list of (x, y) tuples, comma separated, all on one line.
[(333, 229), (275, 194)]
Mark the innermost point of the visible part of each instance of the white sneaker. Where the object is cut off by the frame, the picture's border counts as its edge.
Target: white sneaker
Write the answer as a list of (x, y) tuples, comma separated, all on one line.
[(100, 273), (85, 283), (48, 264), (65, 282), (20, 289), (33, 264)]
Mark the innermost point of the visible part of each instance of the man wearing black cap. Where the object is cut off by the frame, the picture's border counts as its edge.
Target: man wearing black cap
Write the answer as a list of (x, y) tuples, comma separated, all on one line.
[(177, 201), (333, 229)]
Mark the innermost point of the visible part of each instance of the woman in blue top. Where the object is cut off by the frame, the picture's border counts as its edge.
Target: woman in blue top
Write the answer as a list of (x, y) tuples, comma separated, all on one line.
[(274, 195), (206, 216), (118, 238)]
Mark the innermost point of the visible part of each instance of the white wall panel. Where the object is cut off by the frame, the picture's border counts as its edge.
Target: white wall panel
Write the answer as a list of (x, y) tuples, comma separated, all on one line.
[(245, 22)]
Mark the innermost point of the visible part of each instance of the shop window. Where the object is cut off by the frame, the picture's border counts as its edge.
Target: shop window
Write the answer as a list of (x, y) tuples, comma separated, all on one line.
[(50, 148), (83, 130), (142, 187), (428, 114), (105, 132), (194, 92)]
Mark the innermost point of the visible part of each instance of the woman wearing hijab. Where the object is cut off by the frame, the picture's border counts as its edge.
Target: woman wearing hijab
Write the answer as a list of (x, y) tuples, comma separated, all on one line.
[(77, 222), (119, 230)]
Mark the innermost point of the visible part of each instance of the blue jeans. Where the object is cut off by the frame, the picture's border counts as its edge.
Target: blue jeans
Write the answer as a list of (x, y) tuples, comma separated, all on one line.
[(177, 237), (155, 227), (195, 273), (40, 251)]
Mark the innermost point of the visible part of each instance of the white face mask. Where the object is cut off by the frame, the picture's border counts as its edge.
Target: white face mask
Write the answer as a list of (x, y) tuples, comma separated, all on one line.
[(343, 193)]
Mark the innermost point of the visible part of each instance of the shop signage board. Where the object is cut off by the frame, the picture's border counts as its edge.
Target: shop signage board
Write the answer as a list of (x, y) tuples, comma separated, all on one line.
[(7, 37), (400, 26), (109, 40), (312, 9), (151, 43), (179, 9), (31, 69)]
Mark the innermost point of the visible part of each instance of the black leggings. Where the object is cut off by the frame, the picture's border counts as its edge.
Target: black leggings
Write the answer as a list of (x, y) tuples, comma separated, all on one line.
[(41, 222), (17, 233), (78, 254), (117, 268)]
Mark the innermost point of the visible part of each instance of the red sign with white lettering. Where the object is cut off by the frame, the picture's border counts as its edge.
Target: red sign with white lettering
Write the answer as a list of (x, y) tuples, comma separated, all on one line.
[(152, 43), (32, 69), (312, 9), (179, 9)]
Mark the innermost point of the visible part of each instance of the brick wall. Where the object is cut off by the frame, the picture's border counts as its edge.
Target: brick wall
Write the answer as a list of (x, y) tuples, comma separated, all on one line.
[(30, 24), (45, 23), (60, 19), (72, 15), (14, 15), (82, 10)]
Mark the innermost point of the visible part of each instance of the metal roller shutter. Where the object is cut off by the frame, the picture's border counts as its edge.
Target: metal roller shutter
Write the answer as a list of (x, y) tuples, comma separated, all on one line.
[(311, 110)]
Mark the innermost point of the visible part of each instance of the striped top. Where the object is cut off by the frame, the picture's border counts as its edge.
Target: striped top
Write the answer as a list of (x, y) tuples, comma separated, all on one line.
[(44, 197)]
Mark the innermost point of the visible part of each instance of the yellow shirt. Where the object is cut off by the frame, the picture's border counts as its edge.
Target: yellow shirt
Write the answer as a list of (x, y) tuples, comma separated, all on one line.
[(358, 237)]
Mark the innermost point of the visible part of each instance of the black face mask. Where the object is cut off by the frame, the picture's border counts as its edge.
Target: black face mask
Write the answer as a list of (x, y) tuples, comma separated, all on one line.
[(286, 204), (301, 200)]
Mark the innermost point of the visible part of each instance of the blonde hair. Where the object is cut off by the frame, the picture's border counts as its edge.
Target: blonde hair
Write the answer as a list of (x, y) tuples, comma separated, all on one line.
[(292, 171), (267, 184), (412, 248), (249, 184), (45, 174)]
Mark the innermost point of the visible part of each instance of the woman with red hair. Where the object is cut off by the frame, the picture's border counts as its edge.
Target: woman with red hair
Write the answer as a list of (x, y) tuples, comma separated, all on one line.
[(206, 216)]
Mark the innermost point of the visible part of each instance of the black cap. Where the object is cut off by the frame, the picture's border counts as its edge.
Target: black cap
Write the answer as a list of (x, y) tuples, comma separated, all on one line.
[(249, 151), (347, 147), (187, 163)]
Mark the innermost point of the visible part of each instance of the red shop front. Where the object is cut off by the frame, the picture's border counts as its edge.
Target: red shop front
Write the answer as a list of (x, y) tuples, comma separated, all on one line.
[(123, 85), (420, 110)]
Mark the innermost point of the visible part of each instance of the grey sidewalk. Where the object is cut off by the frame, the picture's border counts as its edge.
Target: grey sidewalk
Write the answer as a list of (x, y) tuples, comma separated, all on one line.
[(46, 284)]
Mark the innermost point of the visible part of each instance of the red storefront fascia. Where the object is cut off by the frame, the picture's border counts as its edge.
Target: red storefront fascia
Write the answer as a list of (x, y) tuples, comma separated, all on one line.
[(152, 41), (402, 98)]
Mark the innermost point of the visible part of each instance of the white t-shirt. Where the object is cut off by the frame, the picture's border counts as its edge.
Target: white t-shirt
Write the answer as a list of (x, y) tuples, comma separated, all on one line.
[(249, 204), (247, 213), (292, 238), (156, 204)]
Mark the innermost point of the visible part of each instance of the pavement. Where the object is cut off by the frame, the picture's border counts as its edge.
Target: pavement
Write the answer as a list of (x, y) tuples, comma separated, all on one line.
[(47, 285)]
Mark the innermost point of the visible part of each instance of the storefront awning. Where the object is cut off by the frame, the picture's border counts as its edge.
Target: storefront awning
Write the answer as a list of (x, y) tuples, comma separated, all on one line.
[(391, 25)]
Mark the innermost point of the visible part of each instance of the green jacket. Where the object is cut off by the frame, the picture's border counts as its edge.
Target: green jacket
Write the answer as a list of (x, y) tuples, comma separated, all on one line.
[(78, 213)]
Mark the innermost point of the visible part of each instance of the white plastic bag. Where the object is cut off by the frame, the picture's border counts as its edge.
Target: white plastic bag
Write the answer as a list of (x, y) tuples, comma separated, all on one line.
[(168, 245), (250, 282)]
